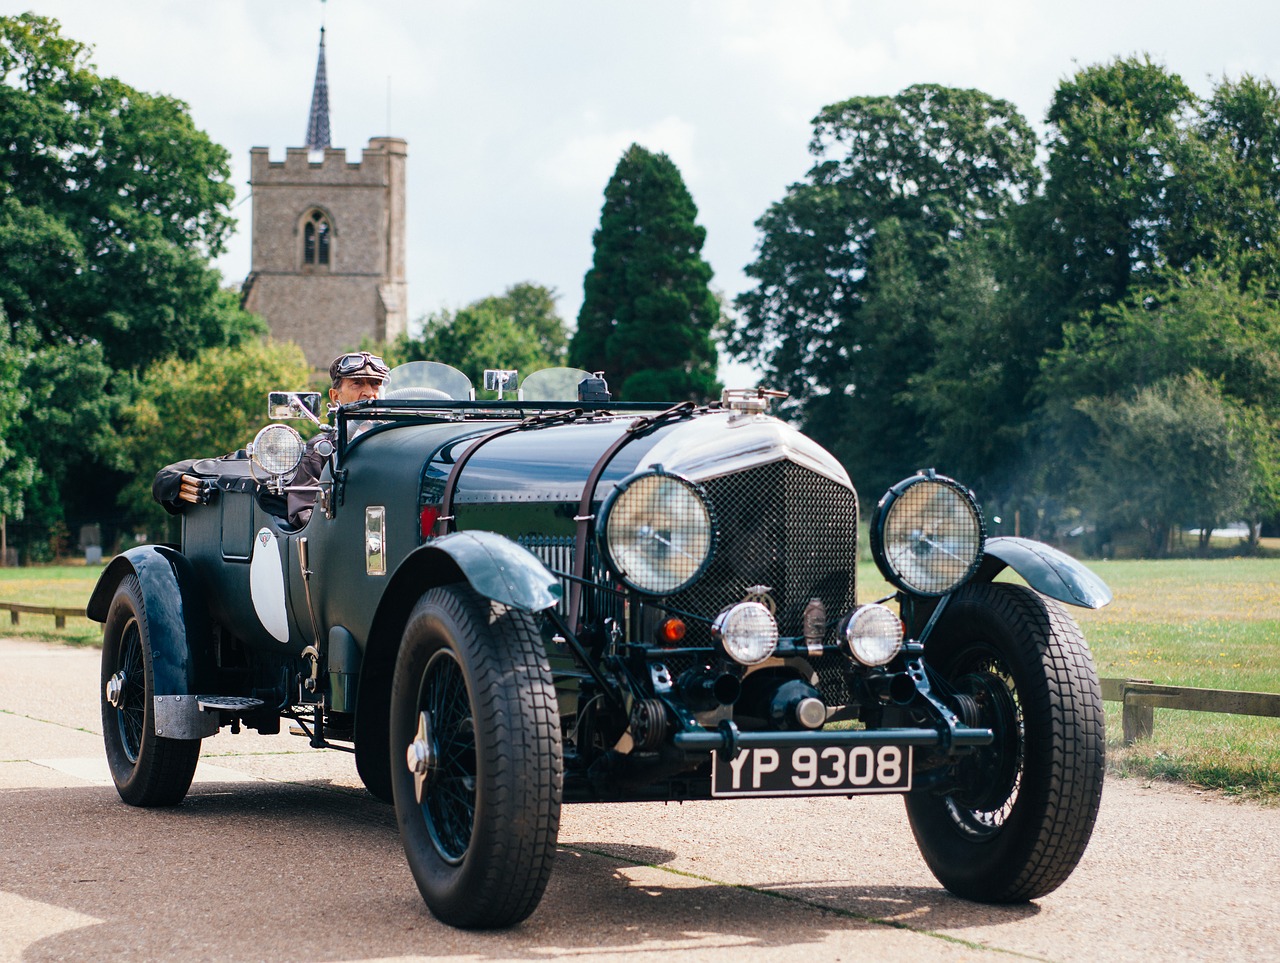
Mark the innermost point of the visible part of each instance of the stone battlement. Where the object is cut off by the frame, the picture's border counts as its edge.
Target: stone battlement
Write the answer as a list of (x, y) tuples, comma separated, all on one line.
[(331, 168)]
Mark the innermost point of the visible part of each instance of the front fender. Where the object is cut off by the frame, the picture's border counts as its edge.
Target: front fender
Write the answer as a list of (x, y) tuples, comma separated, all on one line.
[(1047, 570), (499, 569), (176, 614), (496, 567)]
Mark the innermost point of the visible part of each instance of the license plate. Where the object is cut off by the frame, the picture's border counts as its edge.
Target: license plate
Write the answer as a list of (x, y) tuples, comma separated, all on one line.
[(811, 771)]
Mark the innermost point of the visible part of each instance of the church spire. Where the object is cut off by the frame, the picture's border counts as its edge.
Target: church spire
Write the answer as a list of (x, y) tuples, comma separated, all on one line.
[(318, 122)]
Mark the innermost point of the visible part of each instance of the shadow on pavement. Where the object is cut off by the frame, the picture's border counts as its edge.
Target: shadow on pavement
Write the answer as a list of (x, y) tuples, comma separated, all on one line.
[(915, 907), (289, 870)]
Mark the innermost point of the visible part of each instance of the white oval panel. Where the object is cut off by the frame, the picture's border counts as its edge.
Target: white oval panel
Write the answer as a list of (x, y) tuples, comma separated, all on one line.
[(266, 585)]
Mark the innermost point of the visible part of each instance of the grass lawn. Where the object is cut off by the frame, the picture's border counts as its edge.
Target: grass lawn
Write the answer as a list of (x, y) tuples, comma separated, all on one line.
[(1209, 624), (1213, 624), (62, 586)]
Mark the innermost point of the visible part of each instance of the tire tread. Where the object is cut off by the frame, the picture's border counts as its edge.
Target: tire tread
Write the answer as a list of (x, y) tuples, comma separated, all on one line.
[(165, 767), (1064, 754), (520, 772)]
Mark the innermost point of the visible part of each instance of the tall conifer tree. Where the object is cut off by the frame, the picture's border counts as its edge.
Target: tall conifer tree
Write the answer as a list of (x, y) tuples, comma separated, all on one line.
[(647, 311)]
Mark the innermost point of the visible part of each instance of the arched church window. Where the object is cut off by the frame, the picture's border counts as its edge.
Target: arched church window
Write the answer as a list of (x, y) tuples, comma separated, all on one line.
[(316, 237)]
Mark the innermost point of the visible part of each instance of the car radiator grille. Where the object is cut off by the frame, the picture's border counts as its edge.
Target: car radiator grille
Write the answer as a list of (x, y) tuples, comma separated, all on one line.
[(782, 531), (556, 553)]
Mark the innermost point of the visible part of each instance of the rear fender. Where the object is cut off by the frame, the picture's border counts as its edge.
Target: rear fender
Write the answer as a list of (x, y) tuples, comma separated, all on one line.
[(1047, 570), (177, 616)]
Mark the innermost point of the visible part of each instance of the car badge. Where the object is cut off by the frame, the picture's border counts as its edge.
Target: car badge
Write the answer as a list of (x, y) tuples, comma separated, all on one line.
[(815, 626), (760, 593)]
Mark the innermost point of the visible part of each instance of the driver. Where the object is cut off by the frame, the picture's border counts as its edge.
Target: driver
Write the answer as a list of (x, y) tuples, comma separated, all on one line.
[(355, 376)]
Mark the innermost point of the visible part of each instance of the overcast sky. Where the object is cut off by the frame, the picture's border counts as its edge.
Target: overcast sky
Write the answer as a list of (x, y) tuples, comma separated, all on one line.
[(517, 111)]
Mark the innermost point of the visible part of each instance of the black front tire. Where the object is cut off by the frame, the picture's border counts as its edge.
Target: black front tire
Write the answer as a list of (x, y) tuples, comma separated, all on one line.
[(1018, 821), (147, 769), (473, 687)]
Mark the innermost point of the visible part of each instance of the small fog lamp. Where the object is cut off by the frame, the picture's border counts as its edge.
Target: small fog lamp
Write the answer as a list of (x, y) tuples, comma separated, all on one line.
[(874, 635), (747, 631)]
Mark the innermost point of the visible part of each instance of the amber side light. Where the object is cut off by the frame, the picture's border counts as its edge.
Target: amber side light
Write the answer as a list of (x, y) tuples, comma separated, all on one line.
[(671, 632)]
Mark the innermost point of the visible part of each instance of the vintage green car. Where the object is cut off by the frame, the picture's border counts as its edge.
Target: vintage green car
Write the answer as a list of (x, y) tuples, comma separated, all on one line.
[(500, 606)]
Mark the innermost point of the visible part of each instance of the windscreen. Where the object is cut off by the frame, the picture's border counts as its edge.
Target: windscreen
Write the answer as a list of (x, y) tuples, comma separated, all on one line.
[(552, 384), (428, 380)]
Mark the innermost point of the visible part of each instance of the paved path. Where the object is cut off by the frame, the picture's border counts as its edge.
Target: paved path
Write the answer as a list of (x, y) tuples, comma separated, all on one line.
[(278, 853)]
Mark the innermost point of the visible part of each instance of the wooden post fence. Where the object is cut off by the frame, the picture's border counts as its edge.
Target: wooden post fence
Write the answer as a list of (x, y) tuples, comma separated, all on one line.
[(60, 615), (1141, 698)]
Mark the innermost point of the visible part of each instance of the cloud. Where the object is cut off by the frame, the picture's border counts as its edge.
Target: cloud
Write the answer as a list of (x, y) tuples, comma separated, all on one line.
[(586, 161), (810, 49), (829, 49), (516, 113)]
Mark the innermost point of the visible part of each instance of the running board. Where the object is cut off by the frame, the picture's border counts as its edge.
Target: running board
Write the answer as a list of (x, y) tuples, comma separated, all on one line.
[(212, 703)]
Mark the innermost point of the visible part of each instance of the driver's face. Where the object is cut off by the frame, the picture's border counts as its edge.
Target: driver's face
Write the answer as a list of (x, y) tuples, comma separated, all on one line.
[(350, 390)]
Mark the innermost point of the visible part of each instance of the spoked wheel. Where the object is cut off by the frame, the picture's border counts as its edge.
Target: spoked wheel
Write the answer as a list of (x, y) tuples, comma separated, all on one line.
[(475, 758), (446, 739), (127, 691), (147, 769), (1020, 813)]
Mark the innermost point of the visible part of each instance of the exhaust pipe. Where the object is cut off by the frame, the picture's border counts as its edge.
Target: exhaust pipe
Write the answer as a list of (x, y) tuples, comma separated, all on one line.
[(895, 688), (706, 689)]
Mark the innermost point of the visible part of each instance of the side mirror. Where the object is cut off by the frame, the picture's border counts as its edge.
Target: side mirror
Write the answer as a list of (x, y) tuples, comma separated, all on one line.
[(291, 405), (500, 380)]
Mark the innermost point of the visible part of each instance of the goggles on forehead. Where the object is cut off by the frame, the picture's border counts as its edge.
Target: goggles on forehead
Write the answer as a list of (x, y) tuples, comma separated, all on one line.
[(359, 363)]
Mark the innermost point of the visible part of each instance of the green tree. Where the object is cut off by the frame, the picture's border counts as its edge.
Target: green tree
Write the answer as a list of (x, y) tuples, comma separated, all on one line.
[(17, 470), (1261, 433), (894, 327), (1118, 143), (207, 406), (1236, 209), (1198, 319), (112, 206), (1175, 452), (972, 399), (519, 329), (854, 263), (1148, 255), (647, 312), (75, 400), (1130, 183), (533, 308), (1199, 323)]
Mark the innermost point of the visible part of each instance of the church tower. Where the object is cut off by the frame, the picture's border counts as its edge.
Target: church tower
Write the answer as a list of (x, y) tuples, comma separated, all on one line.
[(328, 255)]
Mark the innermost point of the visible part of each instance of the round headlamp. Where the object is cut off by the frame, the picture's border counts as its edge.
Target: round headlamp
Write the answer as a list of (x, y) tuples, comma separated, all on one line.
[(656, 532), (277, 449), (747, 631), (927, 534), (873, 634)]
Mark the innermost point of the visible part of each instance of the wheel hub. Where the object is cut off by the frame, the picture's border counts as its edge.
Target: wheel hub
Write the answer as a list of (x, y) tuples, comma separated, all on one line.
[(115, 688), (420, 757), (990, 776)]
